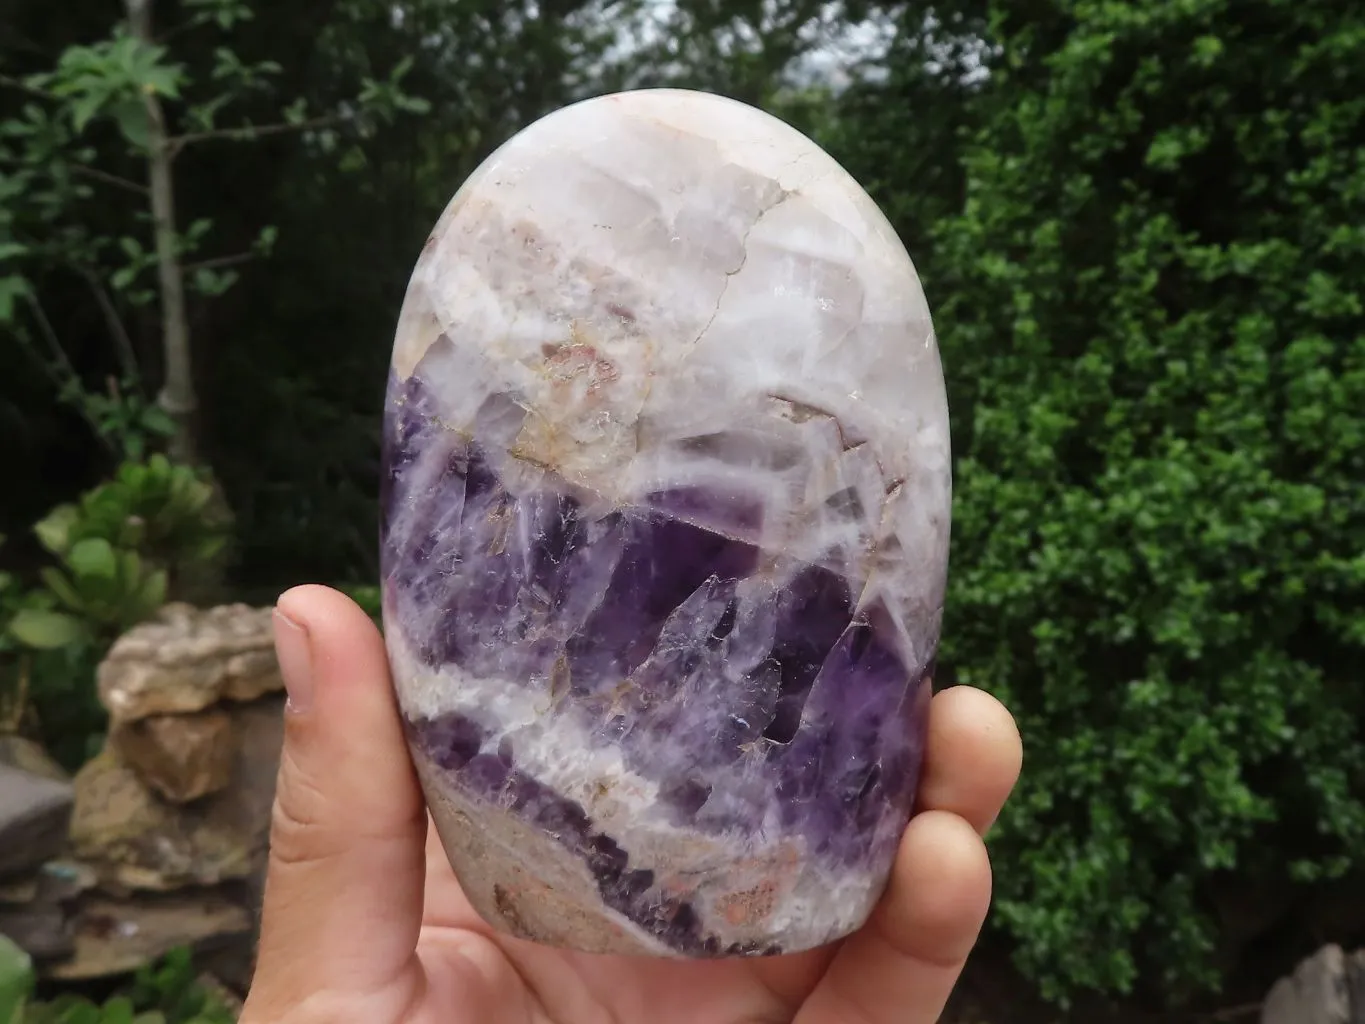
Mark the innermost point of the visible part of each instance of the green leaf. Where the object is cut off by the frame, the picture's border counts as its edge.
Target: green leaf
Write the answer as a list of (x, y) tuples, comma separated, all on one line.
[(93, 557), (16, 981), (155, 420), (54, 530), (118, 1010), (57, 582), (131, 117), (84, 109), (152, 594), (207, 548), (12, 288), (45, 630), (129, 570)]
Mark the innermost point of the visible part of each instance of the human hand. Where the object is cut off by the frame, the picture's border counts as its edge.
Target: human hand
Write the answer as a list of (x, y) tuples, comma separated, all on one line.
[(364, 921)]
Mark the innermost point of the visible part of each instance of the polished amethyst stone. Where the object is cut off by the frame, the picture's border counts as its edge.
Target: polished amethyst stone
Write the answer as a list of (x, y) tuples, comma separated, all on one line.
[(665, 527)]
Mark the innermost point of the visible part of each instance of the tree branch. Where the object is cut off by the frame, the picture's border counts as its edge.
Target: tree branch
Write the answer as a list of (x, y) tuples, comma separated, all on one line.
[(96, 174), (68, 375), (89, 172), (250, 133), (177, 396), (218, 262), (124, 344)]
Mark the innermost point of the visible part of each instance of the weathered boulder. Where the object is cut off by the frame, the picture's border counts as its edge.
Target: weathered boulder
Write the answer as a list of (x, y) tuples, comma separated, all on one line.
[(35, 908), (186, 660), (169, 824), (137, 840), (1355, 985), (1324, 989), (34, 812), (182, 757), (116, 936)]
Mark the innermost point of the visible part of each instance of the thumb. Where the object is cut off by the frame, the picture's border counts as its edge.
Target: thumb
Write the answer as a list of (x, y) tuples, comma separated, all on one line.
[(343, 891)]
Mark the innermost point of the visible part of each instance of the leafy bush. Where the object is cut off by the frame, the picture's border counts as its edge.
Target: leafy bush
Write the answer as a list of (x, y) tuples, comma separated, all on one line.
[(160, 510), (168, 993), (1151, 310), (119, 550)]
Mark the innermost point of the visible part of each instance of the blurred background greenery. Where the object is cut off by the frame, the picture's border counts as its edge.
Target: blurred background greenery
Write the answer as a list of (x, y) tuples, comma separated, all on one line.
[(1141, 227)]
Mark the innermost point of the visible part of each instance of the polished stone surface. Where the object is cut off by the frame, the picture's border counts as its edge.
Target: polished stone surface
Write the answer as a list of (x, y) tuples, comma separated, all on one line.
[(665, 528)]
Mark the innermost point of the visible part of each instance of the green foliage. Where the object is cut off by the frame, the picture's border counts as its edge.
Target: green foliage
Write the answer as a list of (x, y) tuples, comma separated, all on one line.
[(108, 590), (28, 619), (16, 981), (119, 550), (47, 665), (1151, 317), (58, 162), (173, 989), (156, 508), (122, 416), (120, 544), (167, 993)]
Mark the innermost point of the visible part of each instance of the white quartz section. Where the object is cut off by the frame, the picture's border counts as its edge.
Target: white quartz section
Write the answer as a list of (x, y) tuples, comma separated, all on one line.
[(682, 290)]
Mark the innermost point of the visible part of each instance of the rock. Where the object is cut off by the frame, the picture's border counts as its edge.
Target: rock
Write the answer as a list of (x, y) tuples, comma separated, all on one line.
[(135, 839), (182, 757), (39, 927), (29, 755), (664, 532), (35, 909), (119, 936), (188, 659), (18, 890), (1316, 993), (1355, 985), (34, 812)]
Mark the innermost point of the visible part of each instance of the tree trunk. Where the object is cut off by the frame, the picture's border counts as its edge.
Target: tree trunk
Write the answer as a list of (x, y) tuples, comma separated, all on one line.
[(177, 396)]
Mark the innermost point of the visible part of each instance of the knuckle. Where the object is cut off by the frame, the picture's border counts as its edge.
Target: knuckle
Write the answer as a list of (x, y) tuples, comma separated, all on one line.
[(299, 830)]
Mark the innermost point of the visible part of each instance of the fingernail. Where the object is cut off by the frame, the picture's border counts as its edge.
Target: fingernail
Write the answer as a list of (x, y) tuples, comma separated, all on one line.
[(296, 661)]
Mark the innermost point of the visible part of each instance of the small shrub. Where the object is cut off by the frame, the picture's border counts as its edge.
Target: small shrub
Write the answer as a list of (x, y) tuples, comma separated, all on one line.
[(1153, 326), (120, 551), (166, 993)]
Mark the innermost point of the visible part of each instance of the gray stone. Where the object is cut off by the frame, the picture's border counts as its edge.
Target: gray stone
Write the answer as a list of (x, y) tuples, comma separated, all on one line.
[(41, 929), (113, 937), (1316, 993), (34, 812), (1355, 985), (36, 908)]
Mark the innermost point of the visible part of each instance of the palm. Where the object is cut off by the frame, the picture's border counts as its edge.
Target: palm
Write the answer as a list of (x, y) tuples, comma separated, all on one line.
[(565, 987)]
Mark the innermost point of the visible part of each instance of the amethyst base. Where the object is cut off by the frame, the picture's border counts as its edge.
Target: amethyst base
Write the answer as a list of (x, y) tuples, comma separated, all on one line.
[(666, 509), (763, 742)]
